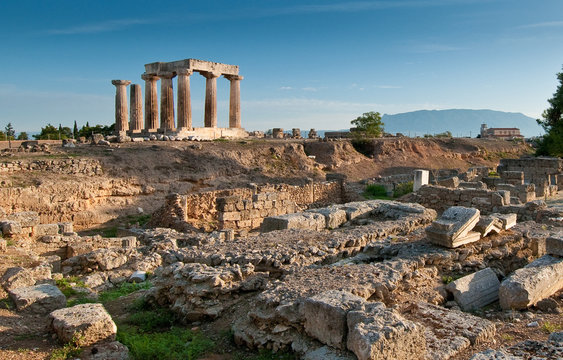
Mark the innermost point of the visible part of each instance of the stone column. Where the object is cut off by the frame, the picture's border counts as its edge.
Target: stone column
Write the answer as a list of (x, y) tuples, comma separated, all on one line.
[(136, 98), (184, 101), (210, 98), (166, 101), (121, 113), (151, 102), (234, 104)]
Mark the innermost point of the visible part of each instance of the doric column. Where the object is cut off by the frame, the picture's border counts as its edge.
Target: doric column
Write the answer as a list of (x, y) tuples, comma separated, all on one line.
[(121, 114), (210, 98), (151, 102), (234, 104), (166, 101), (136, 97), (184, 101)]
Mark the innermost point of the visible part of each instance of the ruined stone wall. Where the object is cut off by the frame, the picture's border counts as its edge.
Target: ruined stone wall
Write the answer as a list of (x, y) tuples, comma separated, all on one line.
[(58, 166), (204, 209), (237, 214), (538, 170)]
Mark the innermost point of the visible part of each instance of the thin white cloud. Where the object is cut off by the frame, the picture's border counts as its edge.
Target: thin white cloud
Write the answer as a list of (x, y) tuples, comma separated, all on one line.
[(388, 87), (104, 26), (286, 88), (309, 88), (547, 24)]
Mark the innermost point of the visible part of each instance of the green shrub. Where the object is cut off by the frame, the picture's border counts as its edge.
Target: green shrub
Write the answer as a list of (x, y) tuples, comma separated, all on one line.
[(403, 189), (175, 344), (122, 290), (66, 285), (374, 191), (110, 232), (549, 327), (68, 351), (141, 219), (152, 320)]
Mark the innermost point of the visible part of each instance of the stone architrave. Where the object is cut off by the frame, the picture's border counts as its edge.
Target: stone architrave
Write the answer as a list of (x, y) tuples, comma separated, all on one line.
[(136, 96), (476, 290), (454, 227), (184, 101), (536, 281), (234, 104), (420, 178), (210, 98), (151, 102), (121, 112), (166, 101)]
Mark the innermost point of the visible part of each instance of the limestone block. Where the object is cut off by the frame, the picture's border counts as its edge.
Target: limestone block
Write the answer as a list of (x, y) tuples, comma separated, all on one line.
[(325, 316), (3, 245), (420, 179), (476, 290), (106, 259), (532, 283), (304, 221), (334, 217), (356, 210), (488, 224), (38, 299), (328, 353), (454, 227), (65, 227), (229, 216), (46, 229), (376, 332), (10, 228), (452, 182), (554, 245), (90, 322), (106, 351), (55, 262), (508, 220), (25, 218), (16, 277)]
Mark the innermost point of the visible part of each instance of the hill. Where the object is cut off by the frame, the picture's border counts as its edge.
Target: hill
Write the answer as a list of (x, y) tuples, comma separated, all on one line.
[(460, 122)]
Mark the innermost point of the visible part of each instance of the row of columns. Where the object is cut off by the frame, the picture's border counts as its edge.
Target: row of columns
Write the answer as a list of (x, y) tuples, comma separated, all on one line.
[(184, 110)]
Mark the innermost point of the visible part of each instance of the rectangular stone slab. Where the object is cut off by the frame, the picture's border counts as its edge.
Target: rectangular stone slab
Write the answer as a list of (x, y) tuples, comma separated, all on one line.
[(475, 290), (472, 236), (554, 245), (488, 224), (532, 283), (455, 222), (508, 220)]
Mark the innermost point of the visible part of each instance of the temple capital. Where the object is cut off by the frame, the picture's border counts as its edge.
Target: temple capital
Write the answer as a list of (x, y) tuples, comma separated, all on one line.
[(166, 75), (233, 77), (121, 82), (210, 74), (149, 77)]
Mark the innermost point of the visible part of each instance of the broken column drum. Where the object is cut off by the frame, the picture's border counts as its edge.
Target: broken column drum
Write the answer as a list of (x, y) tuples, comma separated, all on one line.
[(121, 113)]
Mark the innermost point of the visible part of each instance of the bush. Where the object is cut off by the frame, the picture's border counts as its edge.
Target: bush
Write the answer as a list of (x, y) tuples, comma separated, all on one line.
[(122, 290), (403, 189), (374, 191)]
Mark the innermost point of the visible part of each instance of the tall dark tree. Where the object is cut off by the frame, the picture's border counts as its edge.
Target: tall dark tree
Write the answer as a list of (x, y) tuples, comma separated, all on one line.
[(23, 136), (552, 122), (10, 133), (75, 130)]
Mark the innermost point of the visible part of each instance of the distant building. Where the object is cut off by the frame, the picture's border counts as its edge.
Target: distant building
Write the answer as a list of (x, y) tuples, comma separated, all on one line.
[(500, 133)]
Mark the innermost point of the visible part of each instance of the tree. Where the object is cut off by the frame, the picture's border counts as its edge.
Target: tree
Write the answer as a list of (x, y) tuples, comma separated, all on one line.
[(10, 133), (369, 124), (23, 136), (2, 136), (552, 141), (75, 130), (50, 132)]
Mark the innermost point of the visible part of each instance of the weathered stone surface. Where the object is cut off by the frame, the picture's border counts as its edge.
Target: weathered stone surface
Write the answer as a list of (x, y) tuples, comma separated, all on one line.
[(328, 353), (46, 229), (453, 228), (17, 277), (325, 316), (3, 245), (65, 227), (554, 245), (491, 354), (38, 299), (476, 290), (334, 216), (376, 332), (10, 228), (420, 179), (488, 224), (90, 322), (305, 221), (138, 276), (449, 331), (105, 351), (532, 283), (25, 218)]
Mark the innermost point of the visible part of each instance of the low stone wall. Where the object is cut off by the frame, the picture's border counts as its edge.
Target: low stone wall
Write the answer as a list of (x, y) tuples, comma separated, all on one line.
[(541, 171), (16, 143), (58, 166)]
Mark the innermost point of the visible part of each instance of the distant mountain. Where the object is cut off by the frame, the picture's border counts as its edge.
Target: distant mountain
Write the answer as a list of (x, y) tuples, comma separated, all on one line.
[(459, 122)]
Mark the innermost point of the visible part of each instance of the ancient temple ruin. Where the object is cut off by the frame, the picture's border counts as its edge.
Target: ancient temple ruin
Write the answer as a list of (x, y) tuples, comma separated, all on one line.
[(181, 124)]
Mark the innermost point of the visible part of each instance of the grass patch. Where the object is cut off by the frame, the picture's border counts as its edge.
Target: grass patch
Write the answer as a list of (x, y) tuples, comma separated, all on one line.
[(507, 337), (220, 140), (141, 219), (446, 279), (374, 191), (66, 285), (110, 232), (548, 327), (152, 320), (68, 351), (174, 344), (494, 174), (122, 290), (264, 354), (10, 242)]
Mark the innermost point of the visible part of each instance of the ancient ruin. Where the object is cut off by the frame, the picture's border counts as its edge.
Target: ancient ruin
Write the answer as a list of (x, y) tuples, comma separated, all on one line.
[(275, 245), (179, 125)]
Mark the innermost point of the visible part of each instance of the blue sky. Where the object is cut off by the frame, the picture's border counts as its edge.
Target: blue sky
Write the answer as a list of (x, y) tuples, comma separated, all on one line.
[(306, 63)]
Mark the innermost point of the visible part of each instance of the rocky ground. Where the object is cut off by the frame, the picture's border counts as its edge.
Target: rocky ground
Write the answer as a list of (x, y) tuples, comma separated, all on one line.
[(267, 290)]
